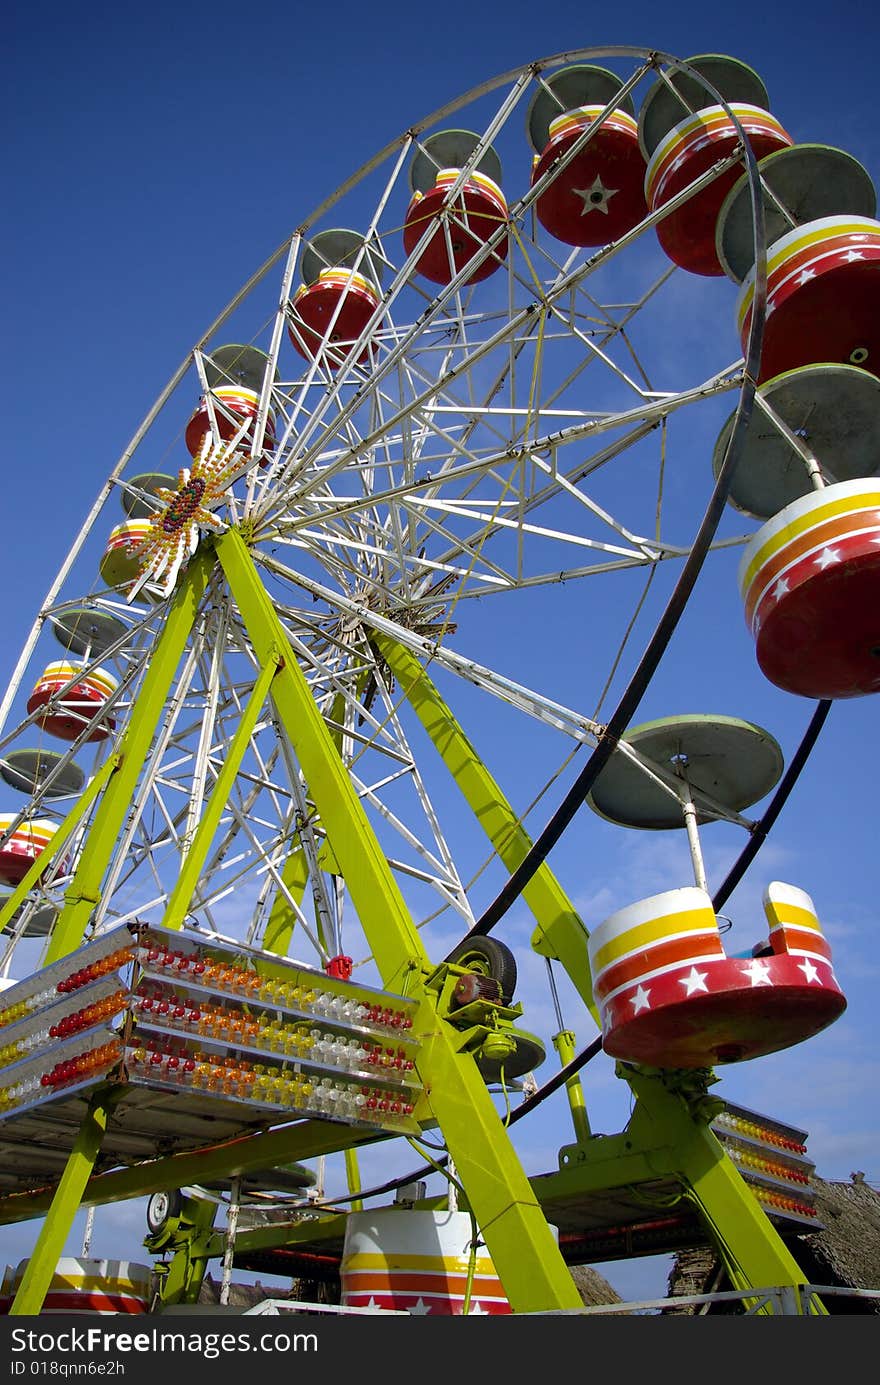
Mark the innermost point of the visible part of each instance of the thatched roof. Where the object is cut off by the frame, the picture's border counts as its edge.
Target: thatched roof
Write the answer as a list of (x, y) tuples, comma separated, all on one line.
[(592, 1288), (241, 1296), (845, 1252)]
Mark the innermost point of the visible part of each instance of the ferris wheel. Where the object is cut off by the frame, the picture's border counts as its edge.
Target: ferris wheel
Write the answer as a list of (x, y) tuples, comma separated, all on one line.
[(446, 472)]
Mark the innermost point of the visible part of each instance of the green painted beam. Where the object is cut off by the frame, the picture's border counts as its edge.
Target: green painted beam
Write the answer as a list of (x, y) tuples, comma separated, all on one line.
[(563, 1042), (524, 1250), (282, 918), (754, 1253), (63, 835), (560, 931), (303, 1140), (65, 1203), (392, 935), (84, 891), (194, 860)]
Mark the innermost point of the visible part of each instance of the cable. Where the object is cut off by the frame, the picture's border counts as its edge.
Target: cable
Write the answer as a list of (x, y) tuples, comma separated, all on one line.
[(506, 1094), (659, 641), (525, 1107), (632, 695), (760, 830)]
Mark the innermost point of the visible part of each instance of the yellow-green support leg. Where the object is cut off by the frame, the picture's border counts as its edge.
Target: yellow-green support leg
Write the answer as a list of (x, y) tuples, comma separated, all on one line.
[(353, 1177), (40, 1268), (753, 1252), (563, 1042), (560, 932), (191, 866), (520, 1242), (84, 891), (522, 1246), (395, 941), (282, 918)]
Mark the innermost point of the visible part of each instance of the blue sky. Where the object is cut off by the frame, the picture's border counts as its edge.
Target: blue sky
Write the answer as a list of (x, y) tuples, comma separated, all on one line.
[(158, 155)]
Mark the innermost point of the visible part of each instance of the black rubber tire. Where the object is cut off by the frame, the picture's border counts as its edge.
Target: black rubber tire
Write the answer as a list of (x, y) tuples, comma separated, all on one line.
[(488, 957), (171, 1204)]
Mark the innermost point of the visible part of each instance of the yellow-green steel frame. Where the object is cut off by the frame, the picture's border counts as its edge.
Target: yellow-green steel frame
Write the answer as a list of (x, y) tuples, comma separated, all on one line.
[(67, 1197), (191, 867), (519, 1239), (753, 1251), (84, 891), (506, 1206), (560, 932), (397, 947)]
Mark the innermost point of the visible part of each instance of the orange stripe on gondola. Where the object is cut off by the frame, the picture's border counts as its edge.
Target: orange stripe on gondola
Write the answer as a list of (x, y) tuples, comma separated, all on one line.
[(802, 940), (651, 959), (710, 126), (407, 1281), (93, 1300), (817, 254), (696, 923), (820, 536)]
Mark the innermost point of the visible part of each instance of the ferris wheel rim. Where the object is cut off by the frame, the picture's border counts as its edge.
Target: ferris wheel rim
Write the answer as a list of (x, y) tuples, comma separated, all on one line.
[(743, 382)]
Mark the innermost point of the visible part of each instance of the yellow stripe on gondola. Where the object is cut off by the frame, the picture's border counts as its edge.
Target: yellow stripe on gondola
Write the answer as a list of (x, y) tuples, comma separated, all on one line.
[(93, 1283), (785, 914), (693, 922), (60, 672), (449, 175), (583, 116), (848, 506), (341, 277), (793, 242), (408, 1260), (706, 122)]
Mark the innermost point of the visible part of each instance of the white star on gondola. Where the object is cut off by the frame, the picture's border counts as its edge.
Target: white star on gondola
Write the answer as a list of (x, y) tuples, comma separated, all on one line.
[(827, 557), (758, 973), (781, 588), (809, 971), (853, 255), (595, 198), (694, 981), (419, 1308), (806, 274), (639, 1000), (475, 1311)]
